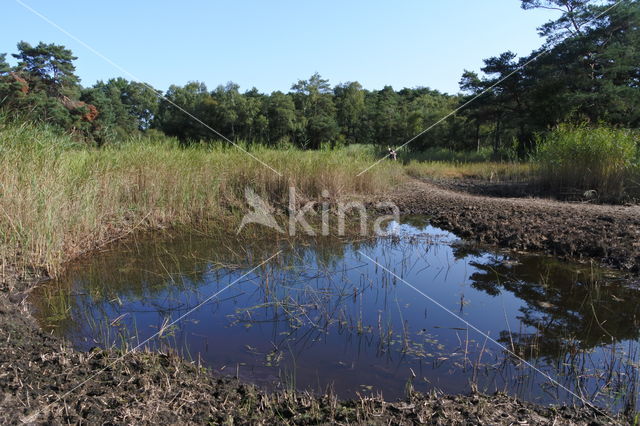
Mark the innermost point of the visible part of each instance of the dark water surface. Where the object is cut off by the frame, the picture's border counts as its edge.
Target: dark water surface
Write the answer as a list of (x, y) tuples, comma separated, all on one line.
[(322, 314)]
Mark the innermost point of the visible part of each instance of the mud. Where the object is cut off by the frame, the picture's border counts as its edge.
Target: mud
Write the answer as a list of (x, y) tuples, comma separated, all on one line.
[(43, 381), (583, 231)]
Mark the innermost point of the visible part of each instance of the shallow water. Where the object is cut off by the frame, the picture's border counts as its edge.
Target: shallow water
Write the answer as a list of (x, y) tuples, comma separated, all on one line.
[(321, 314)]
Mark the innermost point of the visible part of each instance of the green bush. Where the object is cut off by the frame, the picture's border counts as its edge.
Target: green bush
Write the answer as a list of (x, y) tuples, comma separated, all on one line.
[(599, 161)]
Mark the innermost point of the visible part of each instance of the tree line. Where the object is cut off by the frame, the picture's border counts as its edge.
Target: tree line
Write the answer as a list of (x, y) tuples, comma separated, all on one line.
[(588, 70)]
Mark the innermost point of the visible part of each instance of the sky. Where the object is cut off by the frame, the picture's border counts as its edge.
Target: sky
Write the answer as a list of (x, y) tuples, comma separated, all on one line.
[(272, 44)]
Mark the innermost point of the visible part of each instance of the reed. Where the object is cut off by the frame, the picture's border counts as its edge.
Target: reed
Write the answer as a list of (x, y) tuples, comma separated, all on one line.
[(60, 199), (601, 160), (487, 171)]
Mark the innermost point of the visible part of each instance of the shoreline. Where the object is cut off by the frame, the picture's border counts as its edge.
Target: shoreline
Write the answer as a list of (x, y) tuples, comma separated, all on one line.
[(607, 234), (36, 368)]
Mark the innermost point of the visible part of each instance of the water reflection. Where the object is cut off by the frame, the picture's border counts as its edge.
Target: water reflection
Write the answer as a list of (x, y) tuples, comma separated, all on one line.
[(323, 315)]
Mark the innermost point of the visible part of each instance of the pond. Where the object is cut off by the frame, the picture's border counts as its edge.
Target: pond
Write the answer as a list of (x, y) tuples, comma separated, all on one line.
[(340, 314)]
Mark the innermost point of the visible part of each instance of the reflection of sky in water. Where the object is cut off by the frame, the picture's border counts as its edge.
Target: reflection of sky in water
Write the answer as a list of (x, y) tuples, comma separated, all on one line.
[(322, 314)]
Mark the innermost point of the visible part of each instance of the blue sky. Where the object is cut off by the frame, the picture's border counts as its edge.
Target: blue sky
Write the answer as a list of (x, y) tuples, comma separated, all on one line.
[(272, 44)]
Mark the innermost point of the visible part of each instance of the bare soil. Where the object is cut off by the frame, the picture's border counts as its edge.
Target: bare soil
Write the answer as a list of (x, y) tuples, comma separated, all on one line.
[(43, 380), (609, 234)]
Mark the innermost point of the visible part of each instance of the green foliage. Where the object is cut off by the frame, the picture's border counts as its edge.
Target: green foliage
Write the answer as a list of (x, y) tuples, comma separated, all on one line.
[(48, 67), (316, 112), (7, 84), (597, 159), (351, 108), (592, 76), (576, 14), (4, 66), (192, 98), (43, 87), (125, 107), (281, 116)]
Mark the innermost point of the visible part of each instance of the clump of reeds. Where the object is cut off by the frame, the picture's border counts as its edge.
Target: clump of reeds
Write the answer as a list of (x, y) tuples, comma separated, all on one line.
[(60, 198), (600, 161)]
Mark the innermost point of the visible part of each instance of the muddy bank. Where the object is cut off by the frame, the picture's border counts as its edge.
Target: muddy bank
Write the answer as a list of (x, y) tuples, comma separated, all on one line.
[(43, 380), (605, 233), (37, 369)]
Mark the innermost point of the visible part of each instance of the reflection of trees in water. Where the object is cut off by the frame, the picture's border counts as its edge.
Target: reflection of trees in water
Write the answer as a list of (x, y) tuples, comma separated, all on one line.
[(571, 308), (564, 303), (144, 270), (308, 289)]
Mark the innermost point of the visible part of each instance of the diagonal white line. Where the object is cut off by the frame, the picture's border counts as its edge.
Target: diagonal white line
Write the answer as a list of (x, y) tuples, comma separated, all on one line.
[(133, 77), (31, 417), (485, 335), (488, 89)]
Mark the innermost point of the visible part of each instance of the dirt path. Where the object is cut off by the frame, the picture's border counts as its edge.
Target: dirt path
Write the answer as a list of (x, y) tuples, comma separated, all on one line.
[(609, 234)]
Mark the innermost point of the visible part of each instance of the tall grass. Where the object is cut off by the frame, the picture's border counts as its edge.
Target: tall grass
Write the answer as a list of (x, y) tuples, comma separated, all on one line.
[(447, 155), (485, 171), (59, 199), (600, 160)]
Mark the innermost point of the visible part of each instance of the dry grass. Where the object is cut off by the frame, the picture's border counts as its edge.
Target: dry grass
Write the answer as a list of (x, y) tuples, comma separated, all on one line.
[(59, 200), (489, 171)]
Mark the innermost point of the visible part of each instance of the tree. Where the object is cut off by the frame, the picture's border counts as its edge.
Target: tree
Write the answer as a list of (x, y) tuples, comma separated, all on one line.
[(387, 117), (124, 107), (422, 112), (6, 85), (510, 99), (252, 120), (127, 104), (350, 108), (141, 100), (228, 100), (322, 126), (576, 15), (593, 76), (48, 67), (614, 66), (46, 88), (315, 86), (316, 111), (193, 98), (481, 112), (281, 115), (4, 66)]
